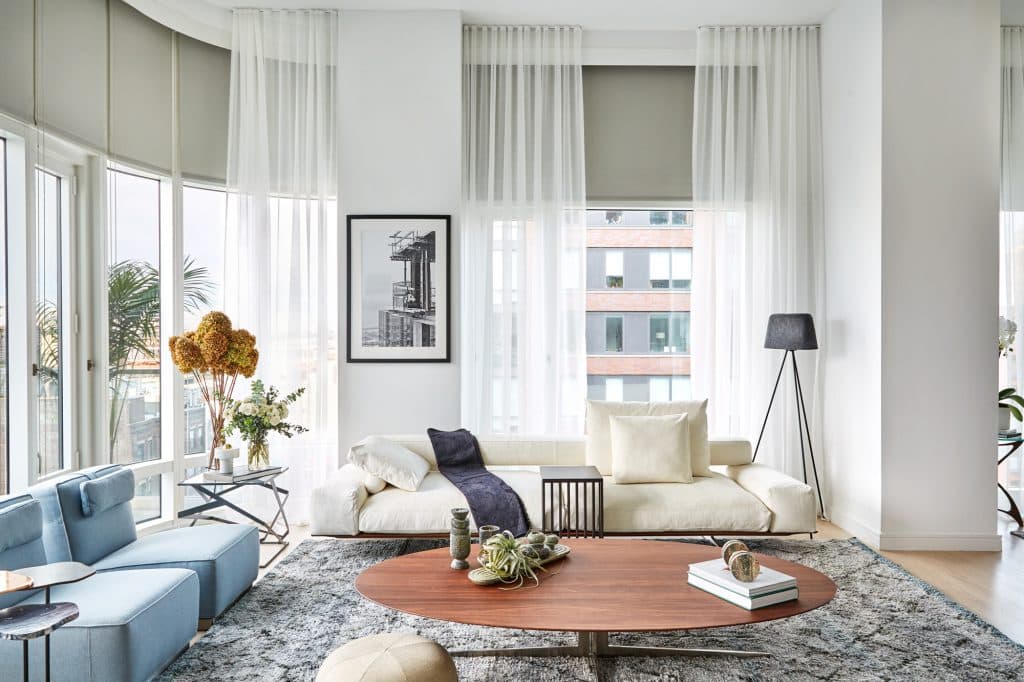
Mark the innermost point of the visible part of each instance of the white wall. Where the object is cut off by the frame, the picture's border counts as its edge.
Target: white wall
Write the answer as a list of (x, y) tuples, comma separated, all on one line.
[(911, 116), (940, 217), (401, 153), (851, 66)]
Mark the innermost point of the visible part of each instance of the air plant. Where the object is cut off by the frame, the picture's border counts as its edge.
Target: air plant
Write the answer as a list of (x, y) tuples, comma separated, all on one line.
[(503, 556)]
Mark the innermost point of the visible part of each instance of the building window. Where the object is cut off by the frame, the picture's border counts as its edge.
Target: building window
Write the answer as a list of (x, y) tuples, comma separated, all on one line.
[(613, 269), (133, 303), (51, 295), (613, 334), (670, 333), (204, 224), (671, 269)]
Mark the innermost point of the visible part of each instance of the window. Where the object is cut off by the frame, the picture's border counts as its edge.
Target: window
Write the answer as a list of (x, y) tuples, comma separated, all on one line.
[(133, 303), (51, 292), (146, 503), (613, 269), (670, 333), (4, 448), (613, 334), (204, 215), (671, 269), (638, 339)]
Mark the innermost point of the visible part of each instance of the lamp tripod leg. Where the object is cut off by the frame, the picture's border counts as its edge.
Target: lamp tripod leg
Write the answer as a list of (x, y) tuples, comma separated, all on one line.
[(802, 417), (799, 421), (770, 403)]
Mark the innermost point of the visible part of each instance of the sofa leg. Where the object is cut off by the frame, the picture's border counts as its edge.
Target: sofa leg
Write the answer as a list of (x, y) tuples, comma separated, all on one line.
[(205, 624)]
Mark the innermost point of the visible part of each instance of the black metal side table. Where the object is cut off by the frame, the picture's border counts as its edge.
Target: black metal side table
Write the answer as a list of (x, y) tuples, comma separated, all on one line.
[(29, 621), (572, 501), (1014, 511), (215, 493)]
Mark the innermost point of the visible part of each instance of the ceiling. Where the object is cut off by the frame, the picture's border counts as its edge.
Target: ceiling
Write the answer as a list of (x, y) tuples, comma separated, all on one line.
[(210, 20)]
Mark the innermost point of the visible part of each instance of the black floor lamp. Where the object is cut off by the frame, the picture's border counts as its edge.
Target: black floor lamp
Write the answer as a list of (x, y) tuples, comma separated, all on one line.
[(792, 332)]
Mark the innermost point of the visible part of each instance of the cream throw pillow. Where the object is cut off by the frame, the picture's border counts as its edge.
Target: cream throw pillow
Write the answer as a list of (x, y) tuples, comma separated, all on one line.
[(599, 448), (374, 484), (398, 465), (651, 449)]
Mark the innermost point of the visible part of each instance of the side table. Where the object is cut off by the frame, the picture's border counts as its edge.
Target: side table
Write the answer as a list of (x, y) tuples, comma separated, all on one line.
[(1014, 511), (48, 575), (572, 501), (215, 493)]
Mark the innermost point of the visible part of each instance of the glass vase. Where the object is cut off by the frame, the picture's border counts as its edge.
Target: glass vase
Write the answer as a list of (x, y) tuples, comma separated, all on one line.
[(259, 454)]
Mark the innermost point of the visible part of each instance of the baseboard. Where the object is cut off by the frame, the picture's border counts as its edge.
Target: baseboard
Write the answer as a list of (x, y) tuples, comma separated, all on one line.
[(863, 532), (942, 542)]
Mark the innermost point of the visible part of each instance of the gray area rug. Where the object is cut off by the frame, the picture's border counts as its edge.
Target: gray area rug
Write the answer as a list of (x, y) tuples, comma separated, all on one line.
[(883, 624)]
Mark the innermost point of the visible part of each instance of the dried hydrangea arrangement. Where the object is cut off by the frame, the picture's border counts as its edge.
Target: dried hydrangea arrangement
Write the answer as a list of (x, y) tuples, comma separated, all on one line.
[(215, 354)]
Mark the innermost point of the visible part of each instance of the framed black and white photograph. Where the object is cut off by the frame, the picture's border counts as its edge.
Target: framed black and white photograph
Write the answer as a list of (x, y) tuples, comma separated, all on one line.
[(399, 277)]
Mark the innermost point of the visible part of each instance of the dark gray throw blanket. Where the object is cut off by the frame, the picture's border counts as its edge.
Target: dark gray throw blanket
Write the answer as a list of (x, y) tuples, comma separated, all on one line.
[(491, 500)]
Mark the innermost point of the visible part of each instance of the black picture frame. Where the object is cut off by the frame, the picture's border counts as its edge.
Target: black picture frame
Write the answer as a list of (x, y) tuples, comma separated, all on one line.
[(354, 268)]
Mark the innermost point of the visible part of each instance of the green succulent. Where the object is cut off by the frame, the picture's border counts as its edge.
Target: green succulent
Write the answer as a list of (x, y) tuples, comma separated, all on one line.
[(506, 559)]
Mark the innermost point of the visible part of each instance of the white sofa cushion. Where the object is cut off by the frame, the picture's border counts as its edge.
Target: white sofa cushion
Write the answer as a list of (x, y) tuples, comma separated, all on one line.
[(599, 451), (650, 449), (429, 509), (709, 503), (374, 484), (792, 502), (396, 464)]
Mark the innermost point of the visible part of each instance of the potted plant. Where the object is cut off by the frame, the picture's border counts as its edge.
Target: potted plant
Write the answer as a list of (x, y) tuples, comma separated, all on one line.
[(259, 414), (215, 354), (1011, 403)]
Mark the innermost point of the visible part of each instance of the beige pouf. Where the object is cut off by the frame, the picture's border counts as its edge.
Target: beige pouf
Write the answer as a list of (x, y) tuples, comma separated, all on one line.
[(398, 657)]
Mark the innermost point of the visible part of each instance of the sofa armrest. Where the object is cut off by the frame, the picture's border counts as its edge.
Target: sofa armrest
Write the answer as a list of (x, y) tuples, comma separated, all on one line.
[(791, 502), (334, 507)]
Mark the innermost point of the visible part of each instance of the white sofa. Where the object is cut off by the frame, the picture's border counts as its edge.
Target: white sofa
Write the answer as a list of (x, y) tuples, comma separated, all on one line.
[(740, 499)]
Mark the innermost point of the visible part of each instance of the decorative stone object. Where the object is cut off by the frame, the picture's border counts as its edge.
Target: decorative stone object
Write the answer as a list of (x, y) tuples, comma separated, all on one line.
[(731, 547), (391, 657), (744, 566), (551, 541), (459, 539), (535, 537)]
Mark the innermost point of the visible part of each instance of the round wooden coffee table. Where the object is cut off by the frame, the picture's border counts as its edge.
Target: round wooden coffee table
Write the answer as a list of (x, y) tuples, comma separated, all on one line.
[(604, 586)]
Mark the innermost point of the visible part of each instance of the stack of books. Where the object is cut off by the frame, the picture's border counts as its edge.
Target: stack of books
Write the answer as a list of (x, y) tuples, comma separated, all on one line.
[(240, 474), (1009, 434), (770, 586)]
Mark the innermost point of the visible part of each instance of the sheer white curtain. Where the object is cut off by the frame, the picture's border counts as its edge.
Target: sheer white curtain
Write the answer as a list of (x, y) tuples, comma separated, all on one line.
[(758, 245), (281, 266), (1011, 198), (524, 238)]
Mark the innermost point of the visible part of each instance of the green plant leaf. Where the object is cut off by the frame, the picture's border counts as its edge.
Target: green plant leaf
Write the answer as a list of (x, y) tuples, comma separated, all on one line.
[(1015, 412), (1016, 398), (1007, 392)]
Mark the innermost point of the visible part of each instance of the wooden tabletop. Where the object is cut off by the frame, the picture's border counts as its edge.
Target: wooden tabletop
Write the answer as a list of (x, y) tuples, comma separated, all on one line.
[(57, 573), (605, 585), (14, 582)]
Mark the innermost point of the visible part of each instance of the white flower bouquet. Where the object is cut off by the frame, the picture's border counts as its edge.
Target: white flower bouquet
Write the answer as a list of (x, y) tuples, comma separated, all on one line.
[(259, 414), (1007, 333)]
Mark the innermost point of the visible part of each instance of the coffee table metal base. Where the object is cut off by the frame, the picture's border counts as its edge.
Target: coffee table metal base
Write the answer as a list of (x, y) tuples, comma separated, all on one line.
[(595, 644)]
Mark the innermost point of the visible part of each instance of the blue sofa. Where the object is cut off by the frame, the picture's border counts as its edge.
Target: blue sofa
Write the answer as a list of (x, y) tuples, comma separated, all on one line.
[(141, 608)]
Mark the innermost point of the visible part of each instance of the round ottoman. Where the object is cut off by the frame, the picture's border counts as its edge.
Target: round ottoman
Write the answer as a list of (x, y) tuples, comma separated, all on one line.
[(399, 656)]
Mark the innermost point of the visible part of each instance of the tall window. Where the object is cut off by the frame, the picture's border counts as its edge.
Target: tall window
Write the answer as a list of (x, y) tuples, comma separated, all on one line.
[(638, 304), (133, 300), (4, 461), (51, 294), (204, 213)]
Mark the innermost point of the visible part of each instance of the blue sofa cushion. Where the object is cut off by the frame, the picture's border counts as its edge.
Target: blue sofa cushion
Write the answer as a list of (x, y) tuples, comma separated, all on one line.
[(132, 624), (20, 523), (225, 557), (21, 543), (93, 537), (105, 493)]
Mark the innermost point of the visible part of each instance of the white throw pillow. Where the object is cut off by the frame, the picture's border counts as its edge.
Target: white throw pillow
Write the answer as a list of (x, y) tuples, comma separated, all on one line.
[(599, 447), (651, 449), (398, 465), (374, 484)]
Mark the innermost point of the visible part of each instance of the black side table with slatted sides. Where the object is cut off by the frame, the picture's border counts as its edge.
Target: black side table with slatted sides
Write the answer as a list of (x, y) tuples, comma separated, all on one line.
[(572, 501)]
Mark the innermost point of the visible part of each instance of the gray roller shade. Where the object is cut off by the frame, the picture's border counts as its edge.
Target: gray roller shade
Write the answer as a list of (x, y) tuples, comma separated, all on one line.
[(639, 130), (16, 47), (141, 73), (205, 73), (72, 69)]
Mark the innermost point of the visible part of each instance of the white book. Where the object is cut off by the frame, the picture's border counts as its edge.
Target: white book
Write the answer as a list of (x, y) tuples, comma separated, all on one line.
[(749, 603), (768, 580)]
